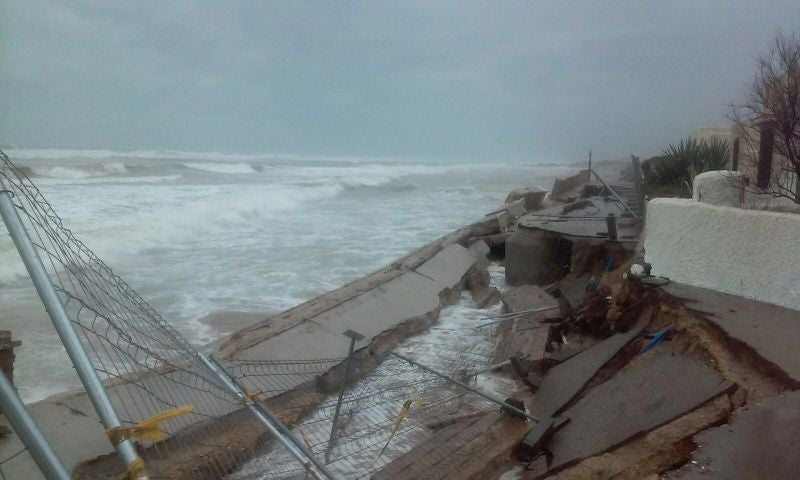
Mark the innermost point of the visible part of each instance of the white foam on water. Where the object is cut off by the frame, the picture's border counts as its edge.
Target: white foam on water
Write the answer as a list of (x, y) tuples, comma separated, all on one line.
[(193, 240), (80, 171), (229, 168), (454, 332)]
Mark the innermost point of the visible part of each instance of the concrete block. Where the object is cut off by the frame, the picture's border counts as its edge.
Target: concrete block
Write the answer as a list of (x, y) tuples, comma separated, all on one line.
[(447, 267), (720, 187), (491, 224), (564, 187), (516, 209), (532, 196), (527, 297), (531, 257)]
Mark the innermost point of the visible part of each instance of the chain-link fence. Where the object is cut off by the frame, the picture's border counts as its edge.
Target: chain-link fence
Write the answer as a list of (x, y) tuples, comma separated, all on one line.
[(190, 419), (175, 408)]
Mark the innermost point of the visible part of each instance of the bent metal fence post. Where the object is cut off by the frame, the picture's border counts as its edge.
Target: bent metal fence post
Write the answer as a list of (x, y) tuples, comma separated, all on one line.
[(80, 359), (487, 396), (149, 386), (354, 337), (270, 422), (30, 435)]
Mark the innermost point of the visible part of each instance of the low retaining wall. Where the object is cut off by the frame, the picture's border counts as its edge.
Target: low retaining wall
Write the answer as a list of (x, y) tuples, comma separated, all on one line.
[(750, 253)]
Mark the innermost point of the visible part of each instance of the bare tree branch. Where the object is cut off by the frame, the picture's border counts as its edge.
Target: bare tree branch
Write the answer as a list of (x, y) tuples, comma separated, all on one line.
[(773, 100)]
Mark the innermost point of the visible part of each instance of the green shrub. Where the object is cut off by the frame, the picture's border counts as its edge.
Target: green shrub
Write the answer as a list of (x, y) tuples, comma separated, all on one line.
[(678, 164)]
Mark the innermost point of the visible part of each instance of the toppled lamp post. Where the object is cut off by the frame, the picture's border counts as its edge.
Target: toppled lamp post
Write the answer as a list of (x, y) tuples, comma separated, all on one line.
[(354, 337)]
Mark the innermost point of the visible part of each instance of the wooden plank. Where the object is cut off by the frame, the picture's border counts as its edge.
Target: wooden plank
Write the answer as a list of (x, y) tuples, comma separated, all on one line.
[(655, 388)]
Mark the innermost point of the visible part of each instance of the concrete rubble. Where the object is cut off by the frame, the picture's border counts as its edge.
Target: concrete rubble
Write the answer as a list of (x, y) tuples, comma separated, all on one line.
[(533, 197), (652, 390)]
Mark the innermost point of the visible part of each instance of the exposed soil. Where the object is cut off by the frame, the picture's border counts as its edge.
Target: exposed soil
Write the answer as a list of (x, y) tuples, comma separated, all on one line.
[(671, 445)]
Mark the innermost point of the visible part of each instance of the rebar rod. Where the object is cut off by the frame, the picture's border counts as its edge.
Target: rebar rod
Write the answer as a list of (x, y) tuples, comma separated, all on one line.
[(513, 316), (487, 396), (624, 204)]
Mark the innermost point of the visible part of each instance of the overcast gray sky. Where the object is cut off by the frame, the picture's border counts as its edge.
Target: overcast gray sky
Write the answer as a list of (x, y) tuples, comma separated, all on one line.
[(530, 81)]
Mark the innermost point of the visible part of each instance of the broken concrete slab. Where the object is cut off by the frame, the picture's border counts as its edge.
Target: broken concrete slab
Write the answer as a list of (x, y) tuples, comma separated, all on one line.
[(653, 389), (533, 255), (527, 297), (584, 220), (60, 424), (496, 241), (771, 331), (574, 289), (448, 267), (479, 249), (535, 438), (564, 381), (516, 209), (486, 297), (532, 196), (411, 295), (274, 325), (563, 187), (491, 224), (538, 436), (526, 335), (761, 442)]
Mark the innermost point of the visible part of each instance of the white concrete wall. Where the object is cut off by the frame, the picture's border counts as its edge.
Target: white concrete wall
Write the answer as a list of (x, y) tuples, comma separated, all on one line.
[(751, 253)]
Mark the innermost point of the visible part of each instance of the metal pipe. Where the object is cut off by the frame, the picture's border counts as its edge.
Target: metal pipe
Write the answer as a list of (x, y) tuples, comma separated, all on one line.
[(63, 325), (616, 195), (611, 225), (521, 312), (490, 368), (354, 337), (27, 431), (285, 436), (487, 396), (513, 316)]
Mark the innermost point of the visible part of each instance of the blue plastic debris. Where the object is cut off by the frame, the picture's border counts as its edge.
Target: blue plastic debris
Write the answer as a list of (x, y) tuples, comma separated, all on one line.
[(655, 339)]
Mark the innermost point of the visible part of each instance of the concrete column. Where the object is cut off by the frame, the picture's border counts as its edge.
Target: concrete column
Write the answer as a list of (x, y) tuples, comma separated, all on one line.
[(534, 256)]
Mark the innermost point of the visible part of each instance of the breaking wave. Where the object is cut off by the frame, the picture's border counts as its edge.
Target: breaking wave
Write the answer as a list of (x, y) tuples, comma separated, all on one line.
[(78, 171), (227, 168)]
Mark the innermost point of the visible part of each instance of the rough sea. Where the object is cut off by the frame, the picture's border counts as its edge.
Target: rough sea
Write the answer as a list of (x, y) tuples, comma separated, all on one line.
[(198, 233)]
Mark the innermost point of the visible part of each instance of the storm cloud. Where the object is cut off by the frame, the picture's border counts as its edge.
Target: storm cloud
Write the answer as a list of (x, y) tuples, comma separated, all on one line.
[(487, 81)]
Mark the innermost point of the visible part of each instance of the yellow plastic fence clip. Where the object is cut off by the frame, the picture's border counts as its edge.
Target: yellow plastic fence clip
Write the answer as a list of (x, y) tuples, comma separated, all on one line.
[(149, 428), (135, 470), (249, 395), (414, 400)]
